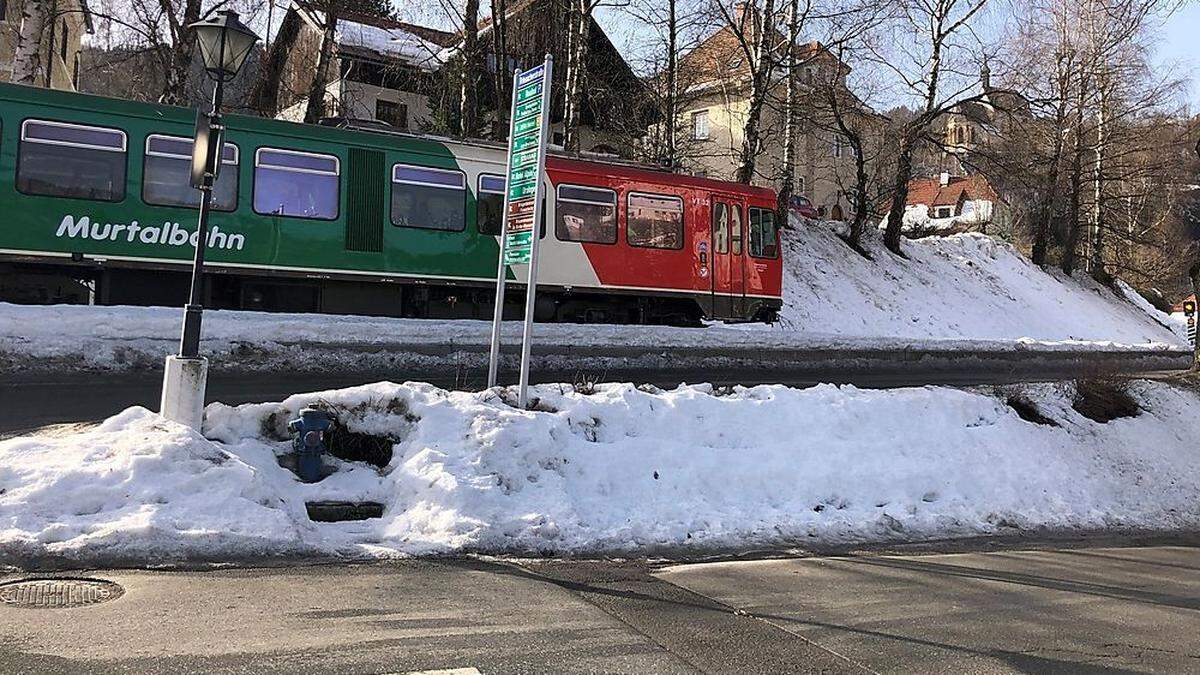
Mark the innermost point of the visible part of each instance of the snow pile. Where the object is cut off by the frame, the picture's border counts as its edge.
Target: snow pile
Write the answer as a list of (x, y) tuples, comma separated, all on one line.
[(965, 286), (620, 469)]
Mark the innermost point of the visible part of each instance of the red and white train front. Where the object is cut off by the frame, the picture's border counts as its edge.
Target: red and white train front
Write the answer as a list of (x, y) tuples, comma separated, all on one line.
[(663, 246)]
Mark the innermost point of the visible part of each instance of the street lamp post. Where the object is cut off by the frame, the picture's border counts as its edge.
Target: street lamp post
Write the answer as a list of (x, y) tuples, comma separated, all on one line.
[(224, 43)]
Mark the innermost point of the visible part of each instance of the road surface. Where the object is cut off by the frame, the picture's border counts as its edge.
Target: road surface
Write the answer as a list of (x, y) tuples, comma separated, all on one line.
[(1114, 608)]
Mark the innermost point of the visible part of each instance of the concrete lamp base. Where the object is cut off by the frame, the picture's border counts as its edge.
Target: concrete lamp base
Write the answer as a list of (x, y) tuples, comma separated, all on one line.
[(183, 390)]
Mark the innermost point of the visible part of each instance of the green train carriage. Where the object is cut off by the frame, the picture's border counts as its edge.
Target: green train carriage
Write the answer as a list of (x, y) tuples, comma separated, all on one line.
[(80, 173)]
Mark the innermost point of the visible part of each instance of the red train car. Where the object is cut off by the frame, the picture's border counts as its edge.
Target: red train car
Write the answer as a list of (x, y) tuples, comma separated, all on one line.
[(684, 247)]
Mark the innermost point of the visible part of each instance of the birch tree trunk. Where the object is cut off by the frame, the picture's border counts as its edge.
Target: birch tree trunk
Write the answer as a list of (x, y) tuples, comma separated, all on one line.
[(788, 177), (468, 106), (1075, 180), (759, 86), (577, 44), (27, 62), (179, 62), (1098, 221)]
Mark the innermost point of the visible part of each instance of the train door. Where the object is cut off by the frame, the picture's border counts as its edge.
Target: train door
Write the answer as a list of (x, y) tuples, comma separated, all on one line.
[(728, 280)]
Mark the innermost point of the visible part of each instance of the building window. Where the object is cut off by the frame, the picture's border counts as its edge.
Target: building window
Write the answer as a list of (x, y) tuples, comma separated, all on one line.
[(943, 212), (57, 159), (763, 243), (298, 184), (167, 175), (74, 71), (430, 199), (799, 185), (489, 204), (654, 221), (394, 114), (839, 146), (62, 48), (3, 10), (700, 125), (586, 214)]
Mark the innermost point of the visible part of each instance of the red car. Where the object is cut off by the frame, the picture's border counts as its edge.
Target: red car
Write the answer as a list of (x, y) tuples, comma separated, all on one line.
[(801, 206)]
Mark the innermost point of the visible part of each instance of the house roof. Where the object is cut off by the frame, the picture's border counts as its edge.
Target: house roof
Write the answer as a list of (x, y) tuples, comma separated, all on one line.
[(931, 192), (386, 38), (721, 57)]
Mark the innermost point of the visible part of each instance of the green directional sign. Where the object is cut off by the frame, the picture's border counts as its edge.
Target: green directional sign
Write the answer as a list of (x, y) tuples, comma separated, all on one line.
[(525, 190), (533, 91), (525, 158), (525, 161), (527, 125), (526, 142)]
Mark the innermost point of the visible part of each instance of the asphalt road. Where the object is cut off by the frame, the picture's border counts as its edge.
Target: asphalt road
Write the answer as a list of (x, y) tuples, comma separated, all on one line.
[(1111, 609), (28, 403)]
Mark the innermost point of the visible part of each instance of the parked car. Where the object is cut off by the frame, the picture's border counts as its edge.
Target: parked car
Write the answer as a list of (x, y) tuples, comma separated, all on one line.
[(803, 207)]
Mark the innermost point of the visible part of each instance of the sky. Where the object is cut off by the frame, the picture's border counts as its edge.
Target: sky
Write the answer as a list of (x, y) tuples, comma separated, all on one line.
[(1180, 46)]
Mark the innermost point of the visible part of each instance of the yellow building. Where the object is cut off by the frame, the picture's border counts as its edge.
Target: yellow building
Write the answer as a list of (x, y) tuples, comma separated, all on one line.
[(715, 101)]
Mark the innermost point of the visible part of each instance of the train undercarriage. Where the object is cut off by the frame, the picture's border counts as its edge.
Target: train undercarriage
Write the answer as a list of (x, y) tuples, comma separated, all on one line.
[(30, 282)]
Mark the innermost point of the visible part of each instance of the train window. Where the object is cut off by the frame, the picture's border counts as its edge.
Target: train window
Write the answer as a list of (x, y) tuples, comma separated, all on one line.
[(166, 177), (654, 221), (298, 184), (433, 199), (720, 228), (586, 214), (763, 242), (735, 230), (71, 160), (489, 204)]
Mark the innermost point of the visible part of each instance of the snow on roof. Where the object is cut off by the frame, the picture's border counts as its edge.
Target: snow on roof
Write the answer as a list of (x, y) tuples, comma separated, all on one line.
[(390, 41)]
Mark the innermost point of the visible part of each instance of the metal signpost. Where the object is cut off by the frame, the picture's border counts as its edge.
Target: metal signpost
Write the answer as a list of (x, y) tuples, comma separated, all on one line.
[(523, 198)]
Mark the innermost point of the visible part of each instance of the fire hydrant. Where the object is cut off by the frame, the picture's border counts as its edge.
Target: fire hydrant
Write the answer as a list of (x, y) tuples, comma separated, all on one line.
[(310, 440)]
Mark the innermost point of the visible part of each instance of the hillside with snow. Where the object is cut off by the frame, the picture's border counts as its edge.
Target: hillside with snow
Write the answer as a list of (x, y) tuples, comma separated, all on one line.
[(965, 286)]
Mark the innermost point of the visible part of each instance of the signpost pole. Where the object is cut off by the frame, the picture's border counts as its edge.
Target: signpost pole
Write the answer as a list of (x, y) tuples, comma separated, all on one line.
[(539, 194), (498, 313)]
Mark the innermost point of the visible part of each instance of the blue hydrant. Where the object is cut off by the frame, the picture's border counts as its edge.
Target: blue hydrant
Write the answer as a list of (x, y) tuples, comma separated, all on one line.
[(310, 440)]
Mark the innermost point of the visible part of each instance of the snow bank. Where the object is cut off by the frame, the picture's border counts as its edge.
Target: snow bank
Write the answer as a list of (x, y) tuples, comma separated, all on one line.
[(966, 286), (621, 469)]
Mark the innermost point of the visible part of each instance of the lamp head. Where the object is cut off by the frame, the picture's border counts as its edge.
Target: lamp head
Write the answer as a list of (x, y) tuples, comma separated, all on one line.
[(224, 42)]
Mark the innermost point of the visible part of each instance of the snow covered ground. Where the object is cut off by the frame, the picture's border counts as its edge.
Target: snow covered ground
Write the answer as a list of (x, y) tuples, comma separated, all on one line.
[(965, 292), (965, 286), (620, 469)]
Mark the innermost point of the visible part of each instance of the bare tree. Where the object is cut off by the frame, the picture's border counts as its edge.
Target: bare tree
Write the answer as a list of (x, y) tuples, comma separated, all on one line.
[(754, 29), (579, 34), (936, 24)]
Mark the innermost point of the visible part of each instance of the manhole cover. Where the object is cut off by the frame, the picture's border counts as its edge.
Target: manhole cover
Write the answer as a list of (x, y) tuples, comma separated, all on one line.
[(55, 593)]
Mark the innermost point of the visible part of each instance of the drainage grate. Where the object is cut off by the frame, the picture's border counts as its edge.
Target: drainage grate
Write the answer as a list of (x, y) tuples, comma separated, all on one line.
[(58, 593)]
